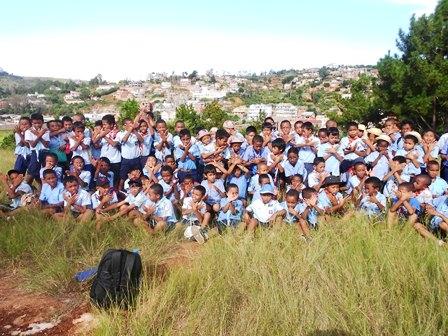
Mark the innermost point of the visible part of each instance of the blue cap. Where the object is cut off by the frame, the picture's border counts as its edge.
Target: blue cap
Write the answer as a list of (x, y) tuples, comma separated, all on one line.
[(267, 189)]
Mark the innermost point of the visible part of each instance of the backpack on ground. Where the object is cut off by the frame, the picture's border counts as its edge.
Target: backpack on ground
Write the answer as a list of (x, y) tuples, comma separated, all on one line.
[(117, 280)]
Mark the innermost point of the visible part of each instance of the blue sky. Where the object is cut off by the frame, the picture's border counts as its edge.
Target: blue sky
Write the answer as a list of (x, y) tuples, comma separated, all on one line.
[(129, 39)]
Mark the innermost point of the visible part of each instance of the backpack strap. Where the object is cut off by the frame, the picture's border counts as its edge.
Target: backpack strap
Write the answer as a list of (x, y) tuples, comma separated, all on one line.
[(128, 266)]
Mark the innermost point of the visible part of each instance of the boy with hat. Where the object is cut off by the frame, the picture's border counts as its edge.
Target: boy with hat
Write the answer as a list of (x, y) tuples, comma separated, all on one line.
[(330, 199)]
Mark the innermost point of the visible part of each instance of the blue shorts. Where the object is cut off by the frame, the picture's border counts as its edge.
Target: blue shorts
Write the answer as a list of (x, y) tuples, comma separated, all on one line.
[(34, 166), (22, 163), (127, 165)]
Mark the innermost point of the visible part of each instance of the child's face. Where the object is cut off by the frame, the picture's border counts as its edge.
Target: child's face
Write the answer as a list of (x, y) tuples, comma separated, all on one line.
[(323, 137), (333, 139), (50, 161), (257, 145), (408, 144), (433, 171), (389, 126), (187, 183), (320, 167), (53, 126), (298, 128), (134, 175), (79, 132), (264, 181), (401, 166), (222, 142), (371, 137), (128, 123), (361, 171), (429, 137), (296, 182), (306, 132), (24, 125), (285, 128), (266, 198), (104, 167), (360, 133), (352, 131), (232, 193), (236, 146), (153, 196), (333, 189), (406, 128), (196, 195), (206, 139), (166, 176), (134, 190), (14, 177), (419, 184), (170, 162), (161, 128), (106, 126), (152, 161), (51, 179), (249, 137), (179, 127), (68, 125), (237, 172), (293, 158), (37, 124), (211, 176), (78, 164), (276, 150), (263, 168), (266, 131), (291, 201), (370, 189), (143, 127), (72, 187), (382, 146), (186, 139), (102, 190)]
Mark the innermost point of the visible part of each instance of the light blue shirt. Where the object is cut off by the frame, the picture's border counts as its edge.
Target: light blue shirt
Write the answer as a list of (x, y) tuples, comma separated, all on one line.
[(381, 168), (370, 208), (163, 209), (228, 215), (52, 195), (332, 163), (241, 182), (312, 215), (130, 149), (438, 187), (138, 200), (213, 196), (187, 163), (323, 202), (250, 153), (297, 169), (289, 217)]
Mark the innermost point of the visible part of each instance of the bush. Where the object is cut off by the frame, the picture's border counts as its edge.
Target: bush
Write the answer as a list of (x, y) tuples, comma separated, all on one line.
[(8, 142)]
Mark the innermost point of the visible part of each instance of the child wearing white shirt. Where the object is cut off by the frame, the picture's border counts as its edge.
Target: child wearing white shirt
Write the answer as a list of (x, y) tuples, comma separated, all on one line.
[(38, 139), (22, 150)]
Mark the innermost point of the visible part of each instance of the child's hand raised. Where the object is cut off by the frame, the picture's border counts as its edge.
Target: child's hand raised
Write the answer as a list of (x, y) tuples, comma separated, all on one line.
[(150, 209)]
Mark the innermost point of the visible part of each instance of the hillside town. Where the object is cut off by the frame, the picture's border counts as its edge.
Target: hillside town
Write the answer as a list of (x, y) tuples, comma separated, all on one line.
[(307, 94)]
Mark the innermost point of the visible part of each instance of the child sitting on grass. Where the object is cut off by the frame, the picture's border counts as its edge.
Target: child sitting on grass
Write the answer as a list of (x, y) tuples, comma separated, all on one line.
[(194, 212), (265, 211), (51, 196), (317, 177), (373, 202), (51, 162), (15, 187), (158, 211), (231, 208), (309, 211), (103, 200), (77, 170), (438, 186), (214, 188), (292, 207), (77, 202), (330, 199)]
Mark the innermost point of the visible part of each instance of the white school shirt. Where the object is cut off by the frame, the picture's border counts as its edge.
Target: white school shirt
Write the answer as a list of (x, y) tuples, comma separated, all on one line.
[(298, 169), (424, 196), (78, 151), (20, 150), (381, 168), (213, 196), (83, 199), (145, 146), (370, 208), (313, 179), (443, 141), (263, 211), (52, 195), (323, 202), (188, 201), (332, 164), (410, 169), (25, 189), (163, 209), (289, 217), (138, 201), (438, 187), (306, 154), (254, 184), (129, 149), (347, 142), (109, 151), (30, 136), (434, 153), (85, 176), (96, 199)]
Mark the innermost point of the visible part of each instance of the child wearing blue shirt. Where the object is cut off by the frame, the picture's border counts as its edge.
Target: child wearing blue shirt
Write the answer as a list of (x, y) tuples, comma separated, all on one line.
[(414, 158), (307, 144), (240, 179), (231, 208), (292, 166), (163, 141), (51, 195), (330, 200), (51, 162), (186, 156), (331, 152), (130, 140), (438, 186), (22, 150), (292, 207), (378, 160), (214, 187), (255, 154), (309, 211), (158, 211), (372, 202)]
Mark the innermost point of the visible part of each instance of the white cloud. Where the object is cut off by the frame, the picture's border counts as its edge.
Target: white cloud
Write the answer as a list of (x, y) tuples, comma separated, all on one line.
[(133, 53)]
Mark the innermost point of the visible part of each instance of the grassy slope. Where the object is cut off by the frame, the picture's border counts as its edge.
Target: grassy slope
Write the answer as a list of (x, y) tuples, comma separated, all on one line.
[(354, 278)]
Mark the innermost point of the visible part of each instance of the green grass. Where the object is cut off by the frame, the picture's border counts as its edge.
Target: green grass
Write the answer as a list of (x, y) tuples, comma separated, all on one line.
[(353, 278)]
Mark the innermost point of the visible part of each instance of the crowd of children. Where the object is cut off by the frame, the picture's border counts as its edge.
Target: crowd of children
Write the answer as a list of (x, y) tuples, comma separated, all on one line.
[(293, 175)]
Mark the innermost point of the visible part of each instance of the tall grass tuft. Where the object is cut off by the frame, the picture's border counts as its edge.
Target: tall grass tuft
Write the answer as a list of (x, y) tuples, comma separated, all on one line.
[(353, 278)]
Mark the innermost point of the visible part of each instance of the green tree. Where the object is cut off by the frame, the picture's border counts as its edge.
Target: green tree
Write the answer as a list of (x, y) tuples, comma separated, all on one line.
[(214, 115), (84, 93), (190, 117), (128, 109), (414, 84), (324, 72)]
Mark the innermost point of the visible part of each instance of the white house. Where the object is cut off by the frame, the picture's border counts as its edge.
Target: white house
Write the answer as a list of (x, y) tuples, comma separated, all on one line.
[(256, 109)]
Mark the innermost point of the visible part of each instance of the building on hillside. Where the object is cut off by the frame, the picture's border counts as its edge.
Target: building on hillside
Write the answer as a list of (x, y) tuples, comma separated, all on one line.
[(241, 112), (72, 98), (256, 109), (284, 111), (123, 94)]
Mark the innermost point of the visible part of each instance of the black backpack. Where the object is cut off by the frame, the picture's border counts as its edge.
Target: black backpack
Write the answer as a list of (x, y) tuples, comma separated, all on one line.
[(117, 280)]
